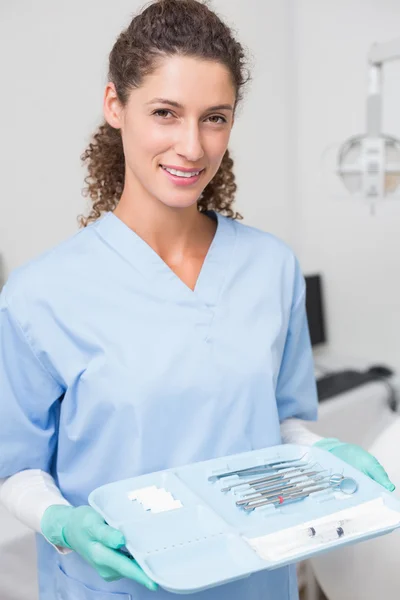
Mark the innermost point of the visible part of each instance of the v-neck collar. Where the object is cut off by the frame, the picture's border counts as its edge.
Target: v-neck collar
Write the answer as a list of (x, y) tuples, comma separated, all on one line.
[(143, 258)]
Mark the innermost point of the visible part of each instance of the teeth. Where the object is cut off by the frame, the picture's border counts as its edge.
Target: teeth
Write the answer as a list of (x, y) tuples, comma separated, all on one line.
[(181, 173)]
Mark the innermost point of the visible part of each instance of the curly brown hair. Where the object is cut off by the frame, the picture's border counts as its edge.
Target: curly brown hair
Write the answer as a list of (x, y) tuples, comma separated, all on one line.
[(164, 28)]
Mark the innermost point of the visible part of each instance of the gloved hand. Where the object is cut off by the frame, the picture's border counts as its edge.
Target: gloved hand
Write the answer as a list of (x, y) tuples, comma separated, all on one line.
[(82, 529), (358, 458)]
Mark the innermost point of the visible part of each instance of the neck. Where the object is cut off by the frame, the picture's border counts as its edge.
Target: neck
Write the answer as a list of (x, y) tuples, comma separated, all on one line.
[(171, 232)]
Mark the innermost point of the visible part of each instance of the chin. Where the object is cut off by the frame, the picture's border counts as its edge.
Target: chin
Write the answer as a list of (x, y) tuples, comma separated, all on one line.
[(179, 202)]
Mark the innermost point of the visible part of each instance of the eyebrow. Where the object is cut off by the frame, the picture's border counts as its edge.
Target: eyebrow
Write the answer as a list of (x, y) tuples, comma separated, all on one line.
[(177, 105)]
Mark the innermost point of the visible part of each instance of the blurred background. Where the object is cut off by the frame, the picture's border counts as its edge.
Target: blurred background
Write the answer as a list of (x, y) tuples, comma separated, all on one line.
[(308, 96)]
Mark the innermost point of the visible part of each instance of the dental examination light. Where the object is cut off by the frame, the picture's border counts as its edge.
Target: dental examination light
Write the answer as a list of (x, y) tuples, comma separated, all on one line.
[(368, 165)]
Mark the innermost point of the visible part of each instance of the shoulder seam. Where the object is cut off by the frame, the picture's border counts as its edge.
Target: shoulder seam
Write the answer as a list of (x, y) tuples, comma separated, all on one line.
[(28, 343)]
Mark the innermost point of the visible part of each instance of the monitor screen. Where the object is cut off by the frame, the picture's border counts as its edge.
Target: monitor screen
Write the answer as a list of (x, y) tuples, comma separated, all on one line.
[(315, 309)]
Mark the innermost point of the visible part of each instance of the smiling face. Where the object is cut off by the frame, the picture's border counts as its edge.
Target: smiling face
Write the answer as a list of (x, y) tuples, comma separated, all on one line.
[(175, 129)]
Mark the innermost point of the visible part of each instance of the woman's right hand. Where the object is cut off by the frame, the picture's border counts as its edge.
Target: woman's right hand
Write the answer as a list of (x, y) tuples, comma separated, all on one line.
[(83, 530)]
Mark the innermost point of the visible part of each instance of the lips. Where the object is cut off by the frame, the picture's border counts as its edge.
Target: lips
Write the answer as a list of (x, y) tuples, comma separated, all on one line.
[(180, 180), (182, 169)]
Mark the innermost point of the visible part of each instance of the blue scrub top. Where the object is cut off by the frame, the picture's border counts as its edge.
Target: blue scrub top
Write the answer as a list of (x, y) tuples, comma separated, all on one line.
[(110, 367)]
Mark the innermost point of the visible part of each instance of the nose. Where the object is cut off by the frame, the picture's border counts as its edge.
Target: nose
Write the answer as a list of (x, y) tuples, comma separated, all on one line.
[(189, 144)]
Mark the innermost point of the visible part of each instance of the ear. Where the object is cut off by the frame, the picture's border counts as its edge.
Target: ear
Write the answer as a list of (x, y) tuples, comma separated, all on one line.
[(112, 108)]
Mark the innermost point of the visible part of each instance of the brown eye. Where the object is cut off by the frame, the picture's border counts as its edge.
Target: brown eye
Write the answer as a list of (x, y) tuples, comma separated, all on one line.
[(162, 112), (222, 119)]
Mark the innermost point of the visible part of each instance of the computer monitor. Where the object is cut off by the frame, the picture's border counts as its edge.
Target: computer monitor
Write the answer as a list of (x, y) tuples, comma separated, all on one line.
[(315, 309)]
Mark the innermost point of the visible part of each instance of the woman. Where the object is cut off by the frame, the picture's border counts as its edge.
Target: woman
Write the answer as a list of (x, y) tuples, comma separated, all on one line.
[(164, 332)]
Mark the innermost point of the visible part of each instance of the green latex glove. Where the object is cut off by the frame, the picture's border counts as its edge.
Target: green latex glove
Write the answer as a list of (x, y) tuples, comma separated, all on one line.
[(82, 529), (358, 458)]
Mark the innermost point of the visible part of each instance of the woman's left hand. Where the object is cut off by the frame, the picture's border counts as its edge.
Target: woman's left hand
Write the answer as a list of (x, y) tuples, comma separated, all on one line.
[(358, 458)]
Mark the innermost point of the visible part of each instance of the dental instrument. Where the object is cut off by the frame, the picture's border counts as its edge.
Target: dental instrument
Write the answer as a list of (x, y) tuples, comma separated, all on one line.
[(277, 489), (286, 499), (276, 477), (274, 466), (347, 485)]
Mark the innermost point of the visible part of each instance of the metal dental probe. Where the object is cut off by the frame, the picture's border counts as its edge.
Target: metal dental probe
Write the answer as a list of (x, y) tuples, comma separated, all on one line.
[(278, 488), (275, 466), (286, 499), (290, 489), (245, 502), (330, 481), (261, 486), (279, 485), (276, 477)]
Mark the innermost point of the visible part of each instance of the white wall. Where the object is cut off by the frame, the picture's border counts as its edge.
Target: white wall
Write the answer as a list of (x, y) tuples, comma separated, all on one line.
[(53, 68), (359, 255)]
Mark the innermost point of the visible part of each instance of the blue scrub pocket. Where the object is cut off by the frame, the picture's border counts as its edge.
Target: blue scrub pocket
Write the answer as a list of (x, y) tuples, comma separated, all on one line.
[(71, 589)]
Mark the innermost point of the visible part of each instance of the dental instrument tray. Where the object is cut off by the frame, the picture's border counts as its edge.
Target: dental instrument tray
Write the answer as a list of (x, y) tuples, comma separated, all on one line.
[(205, 524)]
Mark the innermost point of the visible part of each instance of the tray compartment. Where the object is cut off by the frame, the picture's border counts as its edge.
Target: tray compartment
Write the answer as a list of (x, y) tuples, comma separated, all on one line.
[(113, 501), (202, 564), (162, 531)]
